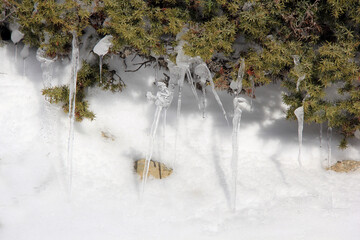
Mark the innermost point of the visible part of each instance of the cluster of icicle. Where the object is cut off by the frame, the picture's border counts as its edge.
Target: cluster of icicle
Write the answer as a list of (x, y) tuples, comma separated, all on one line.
[(163, 98)]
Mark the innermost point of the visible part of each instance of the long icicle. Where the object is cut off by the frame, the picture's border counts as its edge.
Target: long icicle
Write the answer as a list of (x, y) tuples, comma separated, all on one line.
[(72, 100), (299, 113), (150, 148), (217, 96), (329, 135), (178, 115), (235, 148), (100, 67), (191, 81)]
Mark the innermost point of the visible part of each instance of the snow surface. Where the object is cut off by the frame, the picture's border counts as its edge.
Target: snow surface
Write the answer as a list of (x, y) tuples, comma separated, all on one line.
[(276, 199)]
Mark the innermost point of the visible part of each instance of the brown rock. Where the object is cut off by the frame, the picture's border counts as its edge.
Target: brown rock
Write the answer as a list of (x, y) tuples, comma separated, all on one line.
[(345, 166), (156, 169)]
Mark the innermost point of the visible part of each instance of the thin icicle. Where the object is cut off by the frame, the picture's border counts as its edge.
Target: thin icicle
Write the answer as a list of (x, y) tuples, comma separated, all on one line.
[(237, 85), (24, 53), (329, 136), (239, 105), (162, 100), (101, 49), (204, 74), (16, 37), (203, 101), (299, 113), (192, 85), (163, 150), (321, 135), (100, 67), (252, 91), (72, 106)]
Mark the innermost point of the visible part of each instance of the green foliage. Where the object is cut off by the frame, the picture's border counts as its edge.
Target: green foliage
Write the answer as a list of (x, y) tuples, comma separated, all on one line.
[(49, 24), (88, 76), (323, 33)]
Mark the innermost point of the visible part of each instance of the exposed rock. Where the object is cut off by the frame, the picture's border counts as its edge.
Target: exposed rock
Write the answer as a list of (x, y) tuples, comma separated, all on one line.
[(345, 166), (157, 170)]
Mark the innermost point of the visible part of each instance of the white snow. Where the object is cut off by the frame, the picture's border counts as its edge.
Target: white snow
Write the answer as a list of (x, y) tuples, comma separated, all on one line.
[(276, 199)]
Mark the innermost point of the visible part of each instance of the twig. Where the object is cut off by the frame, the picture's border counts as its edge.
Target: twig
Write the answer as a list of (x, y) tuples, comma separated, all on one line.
[(141, 64)]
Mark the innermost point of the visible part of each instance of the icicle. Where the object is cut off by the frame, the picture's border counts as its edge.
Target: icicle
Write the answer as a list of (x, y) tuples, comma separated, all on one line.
[(72, 106), (16, 37), (192, 85), (321, 134), (162, 100), (237, 85), (100, 67), (150, 148), (252, 91), (203, 101), (163, 150), (239, 104), (102, 48), (299, 113), (16, 52), (24, 54), (329, 135), (203, 72), (218, 99), (46, 66)]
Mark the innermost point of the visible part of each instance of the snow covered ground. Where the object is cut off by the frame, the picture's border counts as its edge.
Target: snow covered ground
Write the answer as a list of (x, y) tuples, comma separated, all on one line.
[(276, 198)]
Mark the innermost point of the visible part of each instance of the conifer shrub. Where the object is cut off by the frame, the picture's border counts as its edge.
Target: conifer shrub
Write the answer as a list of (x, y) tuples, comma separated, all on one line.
[(266, 33)]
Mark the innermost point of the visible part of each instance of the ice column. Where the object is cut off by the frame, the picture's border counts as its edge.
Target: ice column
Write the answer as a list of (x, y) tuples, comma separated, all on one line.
[(101, 49), (72, 100), (239, 105), (162, 101), (299, 113)]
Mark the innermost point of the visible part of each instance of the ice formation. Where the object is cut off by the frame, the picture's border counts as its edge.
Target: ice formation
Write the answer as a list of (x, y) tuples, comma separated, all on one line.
[(102, 48), (299, 113), (16, 37), (72, 98), (237, 85), (162, 101), (204, 74), (24, 54), (46, 66), (329, 136), (240, 104), (298, 70)]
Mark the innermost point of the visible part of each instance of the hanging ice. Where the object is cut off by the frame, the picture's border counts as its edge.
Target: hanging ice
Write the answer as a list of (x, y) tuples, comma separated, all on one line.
[(72, 99), (46, 66), (329, 135), (16, 37), (298, 70), (102, 48), (239, 105), (237, 85), (321, 134), (24, 54), (299, 113), (162, 101), (204, 74), (252, 90)]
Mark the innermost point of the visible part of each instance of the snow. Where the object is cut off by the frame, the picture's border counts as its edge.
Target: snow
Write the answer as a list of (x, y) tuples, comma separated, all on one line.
[(275, 198)]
